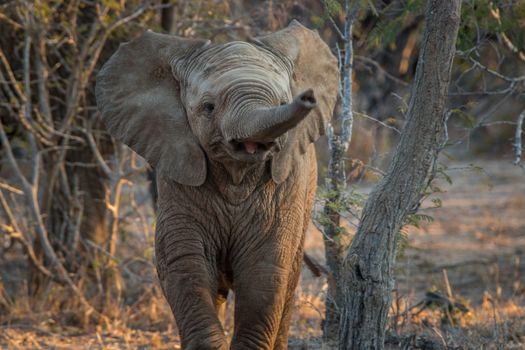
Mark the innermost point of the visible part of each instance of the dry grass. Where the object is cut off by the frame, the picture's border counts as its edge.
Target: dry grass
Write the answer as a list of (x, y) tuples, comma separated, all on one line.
[(473, 254)]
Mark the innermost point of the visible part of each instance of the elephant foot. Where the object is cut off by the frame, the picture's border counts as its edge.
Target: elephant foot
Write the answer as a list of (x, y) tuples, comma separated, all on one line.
[(206, 344)]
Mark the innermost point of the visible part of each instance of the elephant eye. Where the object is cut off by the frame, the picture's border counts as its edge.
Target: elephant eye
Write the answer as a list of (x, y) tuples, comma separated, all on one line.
[(209, 107)]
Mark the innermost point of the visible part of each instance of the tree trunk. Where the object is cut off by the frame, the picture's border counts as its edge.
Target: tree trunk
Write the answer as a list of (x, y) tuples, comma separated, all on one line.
[(369, 263), (339, 137)]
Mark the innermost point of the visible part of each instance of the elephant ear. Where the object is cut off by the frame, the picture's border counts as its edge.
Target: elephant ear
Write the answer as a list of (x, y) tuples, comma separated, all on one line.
[(315, 67), (139, 99)]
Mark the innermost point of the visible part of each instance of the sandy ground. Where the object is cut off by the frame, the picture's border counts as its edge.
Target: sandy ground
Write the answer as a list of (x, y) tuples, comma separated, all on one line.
[(476, 243)]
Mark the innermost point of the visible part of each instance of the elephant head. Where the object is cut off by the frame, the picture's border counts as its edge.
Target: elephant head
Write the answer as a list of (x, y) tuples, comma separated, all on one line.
[(178, 101)]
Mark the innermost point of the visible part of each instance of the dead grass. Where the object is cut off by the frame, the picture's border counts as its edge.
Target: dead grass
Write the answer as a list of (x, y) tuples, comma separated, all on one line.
[(477, 239)]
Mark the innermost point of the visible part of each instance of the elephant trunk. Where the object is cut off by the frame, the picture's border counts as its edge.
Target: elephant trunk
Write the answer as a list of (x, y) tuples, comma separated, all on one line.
[(267, 124)]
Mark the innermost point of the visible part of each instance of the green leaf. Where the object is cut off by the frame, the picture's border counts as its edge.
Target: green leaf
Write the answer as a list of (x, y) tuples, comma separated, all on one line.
[(437, 202)]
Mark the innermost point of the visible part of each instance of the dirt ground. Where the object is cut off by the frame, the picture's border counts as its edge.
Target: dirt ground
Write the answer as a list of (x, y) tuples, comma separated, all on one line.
[(460, 283)]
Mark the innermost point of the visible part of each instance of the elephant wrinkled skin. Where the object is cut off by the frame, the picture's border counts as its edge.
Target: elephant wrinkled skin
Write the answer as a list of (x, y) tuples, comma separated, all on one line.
[(229, 129)]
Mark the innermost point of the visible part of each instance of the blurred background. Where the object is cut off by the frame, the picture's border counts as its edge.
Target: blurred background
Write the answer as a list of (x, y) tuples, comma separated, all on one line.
[(77, 213)]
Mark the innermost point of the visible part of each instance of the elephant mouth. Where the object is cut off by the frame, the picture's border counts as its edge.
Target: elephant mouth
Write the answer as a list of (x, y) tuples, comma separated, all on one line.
[(250, 151), (251, 147)]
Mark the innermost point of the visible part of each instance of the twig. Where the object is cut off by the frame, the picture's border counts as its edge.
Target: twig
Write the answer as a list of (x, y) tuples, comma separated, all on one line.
[(334, 25), (499, 122), (517, 137), (495, 73), (142, 217), (363, 115), (485, 92), (380, 68), (447, 284), (11, 188), (42, 77), (494, 11), (15, 233), (489, 113), (400, 98), (119, 262), (100, 160), (12, 80)]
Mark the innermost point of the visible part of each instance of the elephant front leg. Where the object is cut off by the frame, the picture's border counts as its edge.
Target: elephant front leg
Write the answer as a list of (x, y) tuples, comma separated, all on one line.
[(281, 343), (189, 283), (262, 298)]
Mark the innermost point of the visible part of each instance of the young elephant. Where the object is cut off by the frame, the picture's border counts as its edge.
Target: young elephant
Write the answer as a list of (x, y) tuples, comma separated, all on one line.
[(229, 129)]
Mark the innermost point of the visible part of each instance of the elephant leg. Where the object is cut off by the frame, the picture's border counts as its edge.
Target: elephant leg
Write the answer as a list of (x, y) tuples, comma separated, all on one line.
[(260, 299), (281, 342), (190, 285)]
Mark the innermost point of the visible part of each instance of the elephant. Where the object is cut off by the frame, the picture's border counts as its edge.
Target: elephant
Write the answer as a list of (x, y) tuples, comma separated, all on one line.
[(229, 129)]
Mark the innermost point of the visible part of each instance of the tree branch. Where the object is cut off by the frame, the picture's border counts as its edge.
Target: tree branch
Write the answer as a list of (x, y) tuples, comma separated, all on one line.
[(517, 139)]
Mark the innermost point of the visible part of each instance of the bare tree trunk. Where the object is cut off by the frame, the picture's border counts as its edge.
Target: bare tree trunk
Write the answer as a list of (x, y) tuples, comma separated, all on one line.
[(369, 263)]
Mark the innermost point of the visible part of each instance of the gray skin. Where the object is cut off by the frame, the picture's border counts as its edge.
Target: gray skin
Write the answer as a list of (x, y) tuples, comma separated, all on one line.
[(229, 129)]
